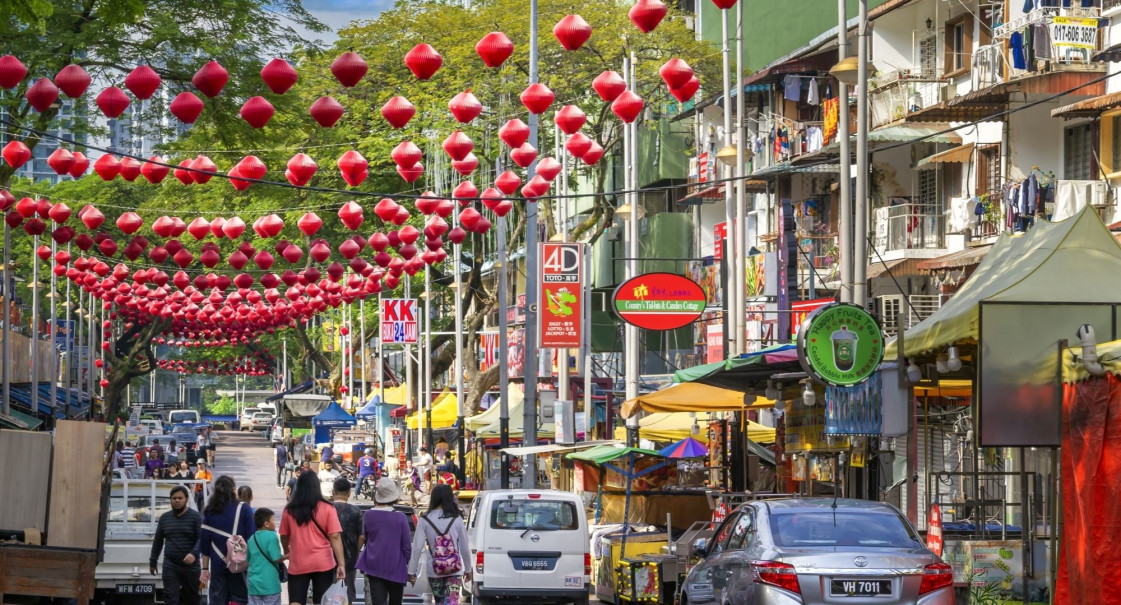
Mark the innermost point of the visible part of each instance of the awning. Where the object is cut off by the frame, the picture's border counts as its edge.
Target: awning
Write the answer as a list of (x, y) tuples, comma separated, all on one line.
[(911, 132), (745, 372), (1111, 54), (961, 258), (526, 450), (445, 411), (945, 388), (698, 197), (693, 397), (902, 266), (300, 388), (514, 399), (958, 155), (19, 421), (675, 426), (607, 453), (878, 269), (398, 395), (1088, 108), (976, 105)]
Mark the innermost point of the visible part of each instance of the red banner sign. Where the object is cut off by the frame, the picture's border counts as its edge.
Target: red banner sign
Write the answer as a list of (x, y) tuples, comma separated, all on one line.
[(398, 321), (719, 234), (489, 342), (934, 530), (562, 284), (800, 309)]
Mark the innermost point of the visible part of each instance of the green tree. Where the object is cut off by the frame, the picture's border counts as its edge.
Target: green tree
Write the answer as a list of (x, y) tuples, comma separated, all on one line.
[(223, 406)]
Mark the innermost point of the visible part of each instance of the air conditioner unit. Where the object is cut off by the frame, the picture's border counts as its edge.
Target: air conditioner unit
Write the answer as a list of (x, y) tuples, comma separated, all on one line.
[(1100, 194), (890, 307)]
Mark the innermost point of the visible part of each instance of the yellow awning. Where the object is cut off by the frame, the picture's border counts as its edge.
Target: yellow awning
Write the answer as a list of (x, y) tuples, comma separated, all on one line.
[(693, 397), (957, 155), (444, 412), (669, 427), (398, 395), (946, 388)]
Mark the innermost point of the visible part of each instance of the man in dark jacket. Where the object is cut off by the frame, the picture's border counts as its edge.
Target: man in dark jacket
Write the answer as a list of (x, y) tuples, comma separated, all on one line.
[(179, 528), (350, 518)]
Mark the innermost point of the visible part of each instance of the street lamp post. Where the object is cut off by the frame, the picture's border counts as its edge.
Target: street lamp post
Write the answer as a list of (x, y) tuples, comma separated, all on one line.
[(7, 346), (631, 213), (529, 421), (739, 229), (844, 228), (860, 214), (35, 325), (732, 337), (503, 359)]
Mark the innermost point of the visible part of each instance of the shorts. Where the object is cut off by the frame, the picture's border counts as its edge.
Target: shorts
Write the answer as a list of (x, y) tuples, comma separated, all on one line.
[(267, 599), (319, 581)]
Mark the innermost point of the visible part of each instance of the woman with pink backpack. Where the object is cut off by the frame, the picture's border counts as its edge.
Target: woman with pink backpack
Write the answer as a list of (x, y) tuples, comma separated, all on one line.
[(442, 532), (226, 525)]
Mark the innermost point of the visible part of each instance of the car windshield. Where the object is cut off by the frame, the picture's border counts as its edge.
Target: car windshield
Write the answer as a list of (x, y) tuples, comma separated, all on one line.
[(539, 515), (262, 416), (841, 528), (183, 417), (183, 438)]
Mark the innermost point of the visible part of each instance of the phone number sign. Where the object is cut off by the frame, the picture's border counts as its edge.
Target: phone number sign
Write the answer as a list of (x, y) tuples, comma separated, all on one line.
[(398, 321)]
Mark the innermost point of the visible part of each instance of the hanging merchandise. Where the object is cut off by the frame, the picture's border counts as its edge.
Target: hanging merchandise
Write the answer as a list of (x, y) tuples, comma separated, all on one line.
[(813, 97), (792, 88), (832, 114), (854, 410)]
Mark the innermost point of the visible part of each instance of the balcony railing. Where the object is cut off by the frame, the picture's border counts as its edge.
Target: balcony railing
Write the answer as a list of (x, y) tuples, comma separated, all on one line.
[(898, 94), (1044, 15), (988, 66), (909, 227), (1061, 58), (1108, 5)]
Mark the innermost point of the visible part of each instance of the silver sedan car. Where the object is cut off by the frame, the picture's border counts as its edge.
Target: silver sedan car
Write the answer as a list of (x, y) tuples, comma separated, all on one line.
[(817, 551)]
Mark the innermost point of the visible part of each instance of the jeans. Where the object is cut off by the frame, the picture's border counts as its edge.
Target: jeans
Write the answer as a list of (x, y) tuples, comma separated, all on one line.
[(384, 592), (351, 589), (279, 472), (181, 584), (226, 587)]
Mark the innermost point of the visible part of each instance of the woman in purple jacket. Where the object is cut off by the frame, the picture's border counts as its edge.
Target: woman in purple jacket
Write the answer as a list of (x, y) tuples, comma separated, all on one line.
[(388, 546)]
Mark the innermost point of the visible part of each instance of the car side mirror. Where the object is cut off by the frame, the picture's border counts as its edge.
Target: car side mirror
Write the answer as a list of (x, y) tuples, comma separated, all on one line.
[(700, 547)]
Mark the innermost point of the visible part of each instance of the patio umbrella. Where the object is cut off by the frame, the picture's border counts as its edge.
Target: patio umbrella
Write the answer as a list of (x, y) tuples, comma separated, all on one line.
[(686, 448)]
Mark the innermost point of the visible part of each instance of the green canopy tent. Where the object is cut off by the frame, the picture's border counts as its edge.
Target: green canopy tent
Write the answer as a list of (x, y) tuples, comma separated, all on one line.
[(745, 371), (605, 455)]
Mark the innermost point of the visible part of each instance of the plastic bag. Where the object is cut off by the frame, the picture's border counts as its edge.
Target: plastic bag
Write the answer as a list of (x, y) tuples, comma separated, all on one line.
[(335, 595)]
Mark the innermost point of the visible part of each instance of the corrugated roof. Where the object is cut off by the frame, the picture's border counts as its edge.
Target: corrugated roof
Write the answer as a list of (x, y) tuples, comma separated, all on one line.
[(961, 258), (1088, 108)]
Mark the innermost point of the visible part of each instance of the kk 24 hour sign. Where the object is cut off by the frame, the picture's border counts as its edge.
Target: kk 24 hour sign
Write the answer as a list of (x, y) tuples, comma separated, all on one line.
[(398, 321), (562, 285)]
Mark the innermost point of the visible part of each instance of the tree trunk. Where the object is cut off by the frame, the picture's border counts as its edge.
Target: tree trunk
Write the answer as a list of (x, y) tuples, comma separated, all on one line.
[(131, 357)]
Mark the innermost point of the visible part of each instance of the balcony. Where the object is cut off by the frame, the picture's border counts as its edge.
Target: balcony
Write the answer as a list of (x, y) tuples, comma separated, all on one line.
[(1073, 55), (897, 94), (909, 226)]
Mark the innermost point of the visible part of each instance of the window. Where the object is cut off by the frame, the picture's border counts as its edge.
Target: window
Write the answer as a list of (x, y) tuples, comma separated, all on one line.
[(720, 542), (988, 169), (743, 532), (836, 528), (538, 515), (1115, 143), (958, 46), (1078, 152)]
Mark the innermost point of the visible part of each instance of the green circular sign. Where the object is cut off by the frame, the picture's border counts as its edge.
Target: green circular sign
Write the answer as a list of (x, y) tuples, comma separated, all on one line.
[(840, 344)]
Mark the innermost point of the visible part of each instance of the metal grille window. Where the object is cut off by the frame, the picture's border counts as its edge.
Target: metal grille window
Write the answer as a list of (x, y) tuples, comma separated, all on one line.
[(927, 193), (1078, 149), (988, 168)]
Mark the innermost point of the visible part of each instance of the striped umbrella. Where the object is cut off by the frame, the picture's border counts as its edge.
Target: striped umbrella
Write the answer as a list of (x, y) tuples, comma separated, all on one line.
[(686, 448)]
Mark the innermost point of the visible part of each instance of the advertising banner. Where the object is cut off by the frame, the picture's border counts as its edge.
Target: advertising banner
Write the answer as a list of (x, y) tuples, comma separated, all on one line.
[(561, 316), (398, 321), (659, 301), (1073, 37)]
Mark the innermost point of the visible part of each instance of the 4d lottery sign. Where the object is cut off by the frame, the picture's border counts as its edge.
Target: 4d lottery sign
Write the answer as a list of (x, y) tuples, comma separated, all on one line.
[(562, 285)]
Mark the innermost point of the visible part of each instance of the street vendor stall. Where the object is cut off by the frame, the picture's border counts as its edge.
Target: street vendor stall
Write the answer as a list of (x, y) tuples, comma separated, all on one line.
[(334, 417)]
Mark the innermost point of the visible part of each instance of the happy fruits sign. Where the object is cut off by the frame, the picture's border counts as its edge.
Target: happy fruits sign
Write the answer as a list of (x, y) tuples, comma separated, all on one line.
[(659, 301), (840, 344)]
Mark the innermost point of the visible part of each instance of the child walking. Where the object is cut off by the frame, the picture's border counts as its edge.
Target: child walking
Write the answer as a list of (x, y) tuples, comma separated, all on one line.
[(266, 561)]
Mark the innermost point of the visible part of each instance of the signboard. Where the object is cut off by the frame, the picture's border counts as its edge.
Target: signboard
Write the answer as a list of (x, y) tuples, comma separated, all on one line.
[(64, 334), (934, 530), (398, 321), (840, 344), (786, 265), (719, 234), (562, 286), (489, 344), (702, 168), (515, 314), (659, 301), (801, 309), (1073, 37), (714, 342)]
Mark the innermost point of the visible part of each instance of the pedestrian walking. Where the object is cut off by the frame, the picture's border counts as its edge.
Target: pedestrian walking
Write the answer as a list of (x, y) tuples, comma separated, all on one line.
[(157, 449), (442, 532), (200, 446), (182, 471), (266, 561), (423, 468), (290, 445), (153, 468), (202, 475), (128, 455), (386, 546), (350, 519), (177, 536), (172, 453), (223, 518), (210, 449), (280, 459), (310, 534), (290, 487), (245, 496)]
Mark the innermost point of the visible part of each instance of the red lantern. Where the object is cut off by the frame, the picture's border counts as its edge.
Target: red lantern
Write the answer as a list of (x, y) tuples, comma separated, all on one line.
[(353, 166), (292, 254), (12, 71), (483, 225), (349, 249), (234, 227), (257, 112), (42, 94), (108, 247), (237, 260), (143, 82), (514, 133), (465, 190), (326, 111), (81, 164), (408, 234), (507, 182), (570, 118), (59, 213), (184, 175), (675, 73), (13, 219), (351, 215), (186, 107), (320, 251), (112, 101), (548, 168), (61, 161), (523, 156), (458, 145), (16, 154), (129, 223), (154, 170), (492, 196), (687, 91), (204, 169), (435, 227), (379, 241), (199, 228), (402, 216), (578, 144), (386, 209), (107, 167), (209, 258), (537, 98), (593, 154), (724, 4), (183, 258), (349, 69), (7, 200), (647, 14), (467, 165), (627, 106), (163, 226), (43, 208), (494, 49), (536, 187), (398, 111), (279, 76), (412, 173), (252, 167), (457, 235), (211, 78), (130, 169), (465, 107), (309, 223), (427, 203), (423, 61), (572, 32), (300, 169), (406, 154), (72, 80)]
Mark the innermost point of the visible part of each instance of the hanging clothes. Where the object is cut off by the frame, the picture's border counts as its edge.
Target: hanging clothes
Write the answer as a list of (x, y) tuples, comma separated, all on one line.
[(832, 112), (1041, 42), (812, 97), (815, 139), (792, 88), (1029, 195), (1016, 41)]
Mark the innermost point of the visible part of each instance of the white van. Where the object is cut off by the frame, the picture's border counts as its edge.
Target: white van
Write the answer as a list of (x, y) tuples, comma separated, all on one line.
[(529, 544), (183, 416)]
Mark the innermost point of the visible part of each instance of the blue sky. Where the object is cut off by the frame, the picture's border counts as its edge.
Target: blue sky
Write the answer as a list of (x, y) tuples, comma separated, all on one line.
[(337, 13)]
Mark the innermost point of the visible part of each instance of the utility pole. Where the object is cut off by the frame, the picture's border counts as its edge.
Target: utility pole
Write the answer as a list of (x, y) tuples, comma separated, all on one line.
[(860, 214), (530, 418), (845, 224)]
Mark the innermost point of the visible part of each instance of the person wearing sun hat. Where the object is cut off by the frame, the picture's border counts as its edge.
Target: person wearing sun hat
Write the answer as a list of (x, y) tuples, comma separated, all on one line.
[(388, 546)]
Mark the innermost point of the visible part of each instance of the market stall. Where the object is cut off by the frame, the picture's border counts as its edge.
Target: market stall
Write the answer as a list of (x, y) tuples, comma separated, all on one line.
[(334, 417)]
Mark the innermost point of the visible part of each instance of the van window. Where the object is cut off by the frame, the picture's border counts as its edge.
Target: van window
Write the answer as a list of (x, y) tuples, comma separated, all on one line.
[(184, 416), (538, 515)]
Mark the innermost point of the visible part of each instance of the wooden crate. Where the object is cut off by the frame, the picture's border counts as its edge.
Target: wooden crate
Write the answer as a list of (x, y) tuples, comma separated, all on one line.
[(46, 571)]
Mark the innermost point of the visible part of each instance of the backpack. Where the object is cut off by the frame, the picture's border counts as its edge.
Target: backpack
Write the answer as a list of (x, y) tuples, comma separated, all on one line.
[(236, 558), (445, 555)]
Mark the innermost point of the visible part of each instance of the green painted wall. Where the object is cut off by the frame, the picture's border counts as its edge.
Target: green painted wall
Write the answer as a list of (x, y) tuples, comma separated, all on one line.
[(774, 28), (664, 148)]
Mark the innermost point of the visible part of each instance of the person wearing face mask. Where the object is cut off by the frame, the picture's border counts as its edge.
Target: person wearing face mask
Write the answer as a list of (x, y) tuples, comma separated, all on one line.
[(177, 535)]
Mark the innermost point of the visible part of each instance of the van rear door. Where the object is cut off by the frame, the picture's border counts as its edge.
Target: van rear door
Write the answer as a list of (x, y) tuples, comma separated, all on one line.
[(534, 541)]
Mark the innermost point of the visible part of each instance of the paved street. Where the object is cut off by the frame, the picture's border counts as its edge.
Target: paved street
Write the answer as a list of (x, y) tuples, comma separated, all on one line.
[(244, 457)]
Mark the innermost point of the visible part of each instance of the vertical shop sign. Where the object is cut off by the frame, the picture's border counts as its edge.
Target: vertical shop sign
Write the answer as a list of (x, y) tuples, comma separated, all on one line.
[(719, 234), (934, 530), (489, 344), (787, 264), (561, 289)]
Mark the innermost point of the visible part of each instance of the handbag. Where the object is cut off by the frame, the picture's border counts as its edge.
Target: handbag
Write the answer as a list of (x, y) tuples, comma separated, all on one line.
[(281, 568)]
